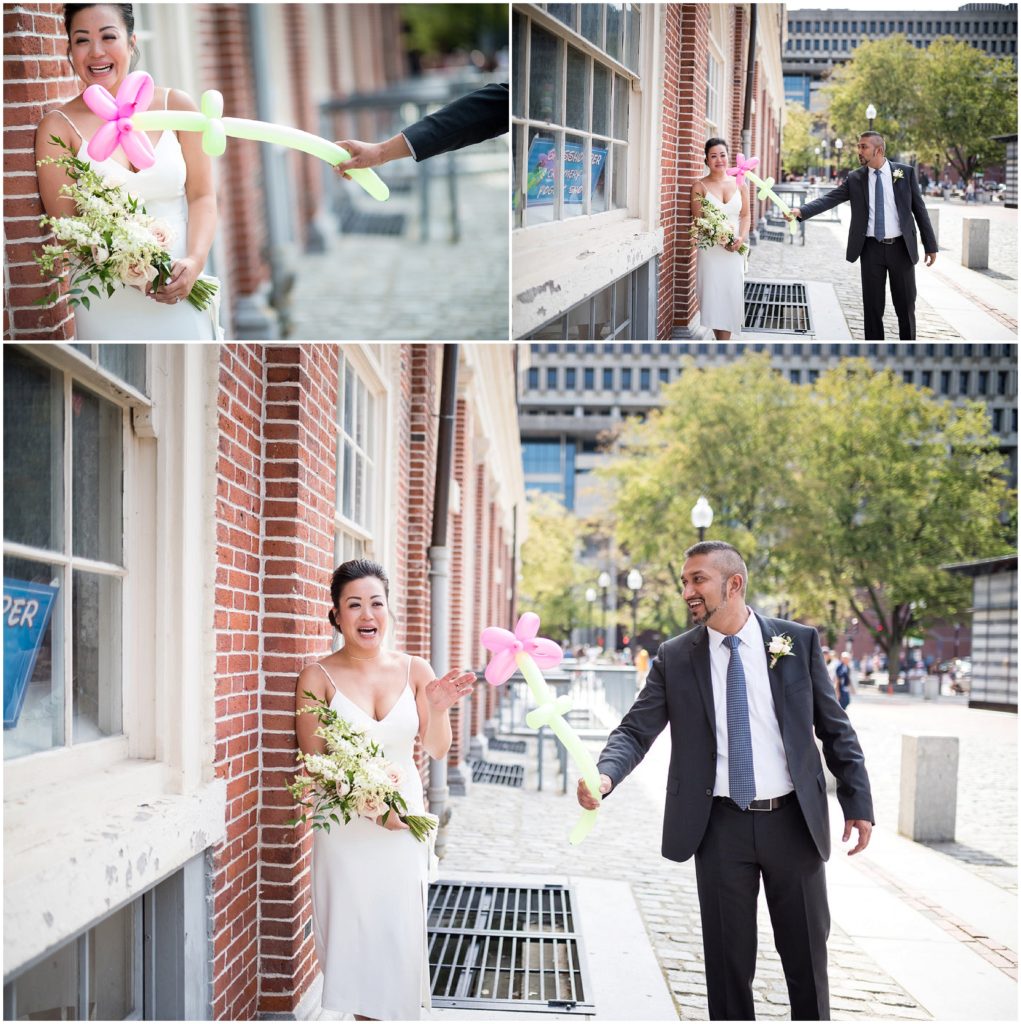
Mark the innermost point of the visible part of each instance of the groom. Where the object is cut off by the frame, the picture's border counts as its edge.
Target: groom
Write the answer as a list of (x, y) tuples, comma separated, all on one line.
[(746, 793), (883, 197)]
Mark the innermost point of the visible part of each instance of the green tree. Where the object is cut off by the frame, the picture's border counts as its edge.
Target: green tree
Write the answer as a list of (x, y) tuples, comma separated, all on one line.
[(883, 72), (716, 435), (551, 579), (445, 28), (798, 144), (965, 96), (890, 484)]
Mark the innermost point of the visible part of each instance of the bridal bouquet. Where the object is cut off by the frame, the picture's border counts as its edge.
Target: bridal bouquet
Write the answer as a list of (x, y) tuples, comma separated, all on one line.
[(351, 778), (111, 241), (712, 227)]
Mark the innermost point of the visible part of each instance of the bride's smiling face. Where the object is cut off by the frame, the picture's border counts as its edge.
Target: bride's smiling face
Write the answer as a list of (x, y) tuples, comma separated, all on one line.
[(716, 158), (100, 47), (362, 616)]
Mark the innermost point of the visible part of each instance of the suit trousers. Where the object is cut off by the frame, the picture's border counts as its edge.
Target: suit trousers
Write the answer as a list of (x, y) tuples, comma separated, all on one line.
[(738, 848), (878, 261)]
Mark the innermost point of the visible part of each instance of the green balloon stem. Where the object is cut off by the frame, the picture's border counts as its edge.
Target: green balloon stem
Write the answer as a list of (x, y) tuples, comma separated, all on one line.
[(262, 131), (564, 731), (784, 208)]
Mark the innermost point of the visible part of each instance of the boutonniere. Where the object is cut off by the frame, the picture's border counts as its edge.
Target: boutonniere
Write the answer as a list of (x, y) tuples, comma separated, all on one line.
[(779, 647), (898, 174)]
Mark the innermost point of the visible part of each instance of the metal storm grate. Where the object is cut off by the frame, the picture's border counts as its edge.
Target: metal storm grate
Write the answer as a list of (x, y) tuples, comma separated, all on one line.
[(509, 746), (506, 947), (501, 774), (771, 306)]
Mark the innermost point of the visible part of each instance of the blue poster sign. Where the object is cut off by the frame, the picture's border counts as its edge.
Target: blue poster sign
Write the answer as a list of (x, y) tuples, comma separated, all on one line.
[(542, 171), (27, 608)]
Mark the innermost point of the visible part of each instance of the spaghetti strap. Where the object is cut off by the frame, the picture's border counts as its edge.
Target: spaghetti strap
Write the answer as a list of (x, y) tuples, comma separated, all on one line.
[(166, 106), (75, 128), (319, 665), (407, 678)]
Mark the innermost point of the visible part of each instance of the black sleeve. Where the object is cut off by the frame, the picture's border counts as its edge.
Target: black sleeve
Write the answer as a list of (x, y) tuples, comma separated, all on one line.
[(474, 118)]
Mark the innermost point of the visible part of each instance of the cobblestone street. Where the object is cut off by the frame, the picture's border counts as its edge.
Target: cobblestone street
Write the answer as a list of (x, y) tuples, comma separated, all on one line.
[(495, 828), (372, 287), (1002, 236)]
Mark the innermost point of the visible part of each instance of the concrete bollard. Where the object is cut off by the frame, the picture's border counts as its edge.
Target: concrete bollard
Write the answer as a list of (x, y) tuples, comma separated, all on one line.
[(934, 221), (975, 243), (928, 788)]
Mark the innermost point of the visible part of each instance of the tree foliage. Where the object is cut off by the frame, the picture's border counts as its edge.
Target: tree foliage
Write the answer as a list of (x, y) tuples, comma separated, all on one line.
[(853, 491), (551, 578), (966, 97), (798, 142), (445, 28)]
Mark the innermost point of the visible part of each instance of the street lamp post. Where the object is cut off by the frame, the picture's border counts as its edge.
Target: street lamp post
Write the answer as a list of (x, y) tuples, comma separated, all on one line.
[(702, 517), (817, 152), (634, 584), (839, 145), (590, 596), (604, 585), (870, 113)]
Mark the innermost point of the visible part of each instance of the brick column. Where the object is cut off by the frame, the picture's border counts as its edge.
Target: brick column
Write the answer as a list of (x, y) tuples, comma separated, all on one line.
[(307, 168), (235, 867), (37, 78), (739, 52), (300, 480), (478, 618), (672, 197)]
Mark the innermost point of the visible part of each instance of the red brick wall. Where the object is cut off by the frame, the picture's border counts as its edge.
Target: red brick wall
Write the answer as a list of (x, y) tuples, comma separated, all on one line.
[(673, 200), (238, 628), (739, 53), (690, 115), (306, 169), (37, 78)]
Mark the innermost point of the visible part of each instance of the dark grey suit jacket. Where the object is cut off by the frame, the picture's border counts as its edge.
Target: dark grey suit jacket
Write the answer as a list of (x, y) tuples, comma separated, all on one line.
[(855, 189), (679, 693), (480, 115)]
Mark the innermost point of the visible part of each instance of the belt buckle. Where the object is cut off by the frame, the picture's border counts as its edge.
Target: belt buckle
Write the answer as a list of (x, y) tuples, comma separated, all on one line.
[(768, 807)]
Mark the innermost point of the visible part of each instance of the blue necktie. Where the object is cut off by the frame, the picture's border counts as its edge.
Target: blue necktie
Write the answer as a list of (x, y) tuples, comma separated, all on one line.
[(739, 733), (880, 210)]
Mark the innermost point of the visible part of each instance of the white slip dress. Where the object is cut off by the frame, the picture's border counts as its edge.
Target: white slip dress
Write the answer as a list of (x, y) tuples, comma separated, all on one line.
[(720, 277), (370, 888), (129, 314)]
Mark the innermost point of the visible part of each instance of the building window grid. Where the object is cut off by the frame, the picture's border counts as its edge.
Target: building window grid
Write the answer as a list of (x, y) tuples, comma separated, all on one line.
[(618, 115), (357, 439)]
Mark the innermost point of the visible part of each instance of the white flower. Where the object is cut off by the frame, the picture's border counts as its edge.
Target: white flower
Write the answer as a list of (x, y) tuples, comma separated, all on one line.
[(162, 232), (779, 647), (136, 272), (898, 174)]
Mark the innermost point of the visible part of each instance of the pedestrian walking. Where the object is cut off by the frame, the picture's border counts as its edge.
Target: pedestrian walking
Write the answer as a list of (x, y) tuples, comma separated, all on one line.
[(844, 679), (745, 697)]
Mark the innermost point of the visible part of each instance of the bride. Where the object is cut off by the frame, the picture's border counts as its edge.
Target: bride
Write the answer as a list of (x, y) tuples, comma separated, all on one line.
[(178, 188), (720, 280)]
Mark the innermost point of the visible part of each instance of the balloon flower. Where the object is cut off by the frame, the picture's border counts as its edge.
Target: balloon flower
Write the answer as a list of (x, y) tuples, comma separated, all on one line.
[(522, 649), (743, 169), (127, 118)]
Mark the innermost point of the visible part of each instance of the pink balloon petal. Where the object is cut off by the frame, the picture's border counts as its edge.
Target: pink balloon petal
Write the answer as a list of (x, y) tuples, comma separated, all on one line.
[(104, 142), (546, 653), (501, 667), (138, 149), (527, 627), (136, 93), (495, 638), (100, 102)]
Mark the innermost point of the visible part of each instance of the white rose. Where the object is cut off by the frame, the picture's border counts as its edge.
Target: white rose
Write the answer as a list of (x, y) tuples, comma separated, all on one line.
[(395, 776), (343, 788), (368, 805), (136, 272), (100, 254), (163, 233)]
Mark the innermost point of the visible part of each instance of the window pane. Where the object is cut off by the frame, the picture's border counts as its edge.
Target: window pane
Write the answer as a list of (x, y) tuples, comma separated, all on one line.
[(567, 13), (622, 303), (603, 317), (634, 24), (574, 175), (518, 55), (95, 655), (112, 944), (544, 102), (621, 91), (592, 23), (601, 100), (360, 415), (619, 177), (599, 172), (97, 485), (33, 446), (579, 322), (347, 482), (126, 362), (40, 722), (349, 400), (49, 991), (577, 89), (614, 30)]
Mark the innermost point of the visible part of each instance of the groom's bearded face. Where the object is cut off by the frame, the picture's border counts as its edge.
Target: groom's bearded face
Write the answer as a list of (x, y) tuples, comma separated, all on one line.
[(705, 589)]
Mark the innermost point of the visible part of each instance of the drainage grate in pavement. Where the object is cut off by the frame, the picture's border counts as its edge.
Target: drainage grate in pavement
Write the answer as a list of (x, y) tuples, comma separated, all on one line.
[(357, 222), (509, 746), (505, 947), (501, 774), (772, 306)]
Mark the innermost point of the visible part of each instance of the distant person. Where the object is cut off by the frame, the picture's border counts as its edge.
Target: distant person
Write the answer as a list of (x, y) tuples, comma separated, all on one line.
[(844, 681), (480, 115), (969, 191), (885, 206), (641, 666)]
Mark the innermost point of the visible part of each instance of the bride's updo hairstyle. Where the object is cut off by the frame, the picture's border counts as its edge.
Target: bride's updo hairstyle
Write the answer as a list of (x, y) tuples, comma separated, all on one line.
[(126, 11), (348, 572), (715, 142)]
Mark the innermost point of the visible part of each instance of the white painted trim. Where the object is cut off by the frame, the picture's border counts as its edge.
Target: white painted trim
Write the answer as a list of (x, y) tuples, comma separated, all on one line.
[(87, 373)]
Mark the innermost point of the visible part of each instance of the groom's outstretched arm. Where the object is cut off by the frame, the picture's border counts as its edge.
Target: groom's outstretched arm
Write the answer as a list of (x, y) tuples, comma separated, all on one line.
[(630, 741), (834, 197)]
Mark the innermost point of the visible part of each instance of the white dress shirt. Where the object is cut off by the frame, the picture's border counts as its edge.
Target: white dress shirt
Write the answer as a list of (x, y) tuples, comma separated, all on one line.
[(772, 776), (891, 218)]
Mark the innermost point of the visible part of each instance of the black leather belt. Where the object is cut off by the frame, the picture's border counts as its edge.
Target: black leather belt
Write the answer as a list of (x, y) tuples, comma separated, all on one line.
[(773, 804), (885, 241)]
